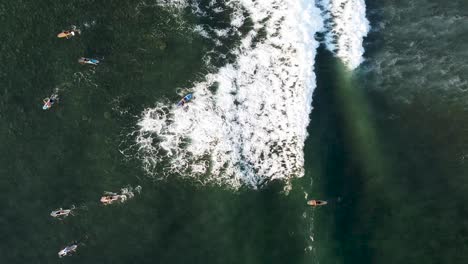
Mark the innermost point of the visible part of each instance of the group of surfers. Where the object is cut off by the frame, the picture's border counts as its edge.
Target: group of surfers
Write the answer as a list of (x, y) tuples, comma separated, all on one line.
[(49, 101), (67, 34), (109, 198), (62, 213)]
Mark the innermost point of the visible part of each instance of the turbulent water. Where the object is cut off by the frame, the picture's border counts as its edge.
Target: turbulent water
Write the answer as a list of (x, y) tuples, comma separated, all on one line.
[(247, 123), (346, 25)]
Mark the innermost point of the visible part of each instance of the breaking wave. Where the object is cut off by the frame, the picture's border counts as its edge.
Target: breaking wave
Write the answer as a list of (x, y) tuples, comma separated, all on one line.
[(247, 123), (346, 26)]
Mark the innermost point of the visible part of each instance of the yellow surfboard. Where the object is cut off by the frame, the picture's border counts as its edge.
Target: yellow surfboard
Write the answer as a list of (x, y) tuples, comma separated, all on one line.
[(64, 35)]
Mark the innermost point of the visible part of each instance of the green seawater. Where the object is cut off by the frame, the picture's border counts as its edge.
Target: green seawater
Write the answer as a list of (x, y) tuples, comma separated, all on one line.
[(70, 154), (390, 140), (387, 143)]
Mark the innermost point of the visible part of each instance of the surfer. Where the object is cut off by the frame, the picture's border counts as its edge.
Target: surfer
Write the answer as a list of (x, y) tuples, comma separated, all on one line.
[(69, 33), (84, 60), (49, 101), (316, 203), (68, 250), (184, 100), (59, 213), (109, 199)]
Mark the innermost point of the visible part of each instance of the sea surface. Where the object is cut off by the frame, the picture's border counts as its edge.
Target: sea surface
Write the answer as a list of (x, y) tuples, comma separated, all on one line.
[(360, 103)]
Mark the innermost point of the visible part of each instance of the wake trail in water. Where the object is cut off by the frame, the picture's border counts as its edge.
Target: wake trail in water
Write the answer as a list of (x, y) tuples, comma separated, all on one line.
[(126, 193)]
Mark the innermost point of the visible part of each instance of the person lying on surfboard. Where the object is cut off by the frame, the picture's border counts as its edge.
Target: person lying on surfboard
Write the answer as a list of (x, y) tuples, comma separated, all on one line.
[(49, 101), (84, 60), (109, 199), (184, 100), (61, 213), (69, 33), (68, 250), (315, 203)]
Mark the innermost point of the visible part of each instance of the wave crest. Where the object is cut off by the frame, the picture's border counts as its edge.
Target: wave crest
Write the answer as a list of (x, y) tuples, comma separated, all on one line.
[(346, 26), (247, 123)]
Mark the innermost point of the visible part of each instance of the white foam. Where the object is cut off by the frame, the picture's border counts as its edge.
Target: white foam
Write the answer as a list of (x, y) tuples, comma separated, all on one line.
[(252, 129), (199, 29), (172, 3), (347, 25), (221, 32)]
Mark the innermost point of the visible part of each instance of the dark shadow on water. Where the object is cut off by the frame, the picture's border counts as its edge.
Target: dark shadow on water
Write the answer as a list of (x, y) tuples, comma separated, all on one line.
[(414, 212), (335, 172), (342, 233)]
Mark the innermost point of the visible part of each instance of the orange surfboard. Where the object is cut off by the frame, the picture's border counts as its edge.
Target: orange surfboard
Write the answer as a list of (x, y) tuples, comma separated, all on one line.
[(64, 34)]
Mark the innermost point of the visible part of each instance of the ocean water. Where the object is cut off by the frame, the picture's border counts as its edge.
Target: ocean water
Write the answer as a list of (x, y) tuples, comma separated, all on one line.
[(391, 139), (361, 104)]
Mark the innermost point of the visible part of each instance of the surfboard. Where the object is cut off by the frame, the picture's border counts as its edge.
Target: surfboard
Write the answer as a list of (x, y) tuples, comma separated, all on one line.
[(83, 60), (62, 35), (184, 100), (93, 61), (46, 106), (188, 97), (316, 202)]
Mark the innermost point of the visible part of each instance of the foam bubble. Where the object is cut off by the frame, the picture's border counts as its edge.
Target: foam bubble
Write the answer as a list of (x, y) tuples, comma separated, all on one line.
[(246, 124)]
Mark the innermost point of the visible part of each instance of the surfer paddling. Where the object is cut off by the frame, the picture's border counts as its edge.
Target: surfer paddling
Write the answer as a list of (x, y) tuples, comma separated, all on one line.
[(69, 33), (110, 199), (68, 250), (184, 100), (49, 101), (125, 194), (61, 213), (315, 203), (89, 61)]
